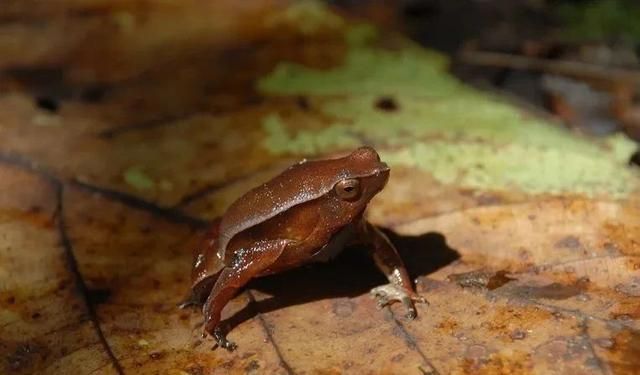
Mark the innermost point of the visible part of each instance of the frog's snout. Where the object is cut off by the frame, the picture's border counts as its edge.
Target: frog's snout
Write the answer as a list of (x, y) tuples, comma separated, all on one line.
[(382, 168), (382, 175)]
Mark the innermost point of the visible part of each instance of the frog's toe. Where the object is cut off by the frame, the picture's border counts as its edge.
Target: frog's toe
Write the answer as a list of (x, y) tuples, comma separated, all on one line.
[(382, 301), (190, 302), (227, 345), (411, 309), (222, 341), (381, 297), (419, 299), (390, 293)]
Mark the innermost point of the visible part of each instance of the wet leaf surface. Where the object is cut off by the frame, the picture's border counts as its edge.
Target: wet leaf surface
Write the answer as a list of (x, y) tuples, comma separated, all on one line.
[(111, 168), (45, 323)]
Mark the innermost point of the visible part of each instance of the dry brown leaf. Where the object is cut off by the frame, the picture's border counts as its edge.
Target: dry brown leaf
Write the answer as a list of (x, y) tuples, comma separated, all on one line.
[(111, 167), (45, 324)]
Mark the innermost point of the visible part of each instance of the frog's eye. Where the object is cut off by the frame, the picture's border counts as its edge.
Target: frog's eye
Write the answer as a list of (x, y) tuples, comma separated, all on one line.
[(348, 190)]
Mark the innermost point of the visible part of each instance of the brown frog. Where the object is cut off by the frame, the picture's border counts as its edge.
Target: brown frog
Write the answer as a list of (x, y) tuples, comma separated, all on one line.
[(306, 214)]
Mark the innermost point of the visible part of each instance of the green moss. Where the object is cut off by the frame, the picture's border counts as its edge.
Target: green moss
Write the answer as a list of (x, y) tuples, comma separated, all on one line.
[(279, 140), (308, 16), (528, 168), (601, 20), (621, 147), (361, 34), (411, 71), (462, 136), (466, 115), (135, 177)]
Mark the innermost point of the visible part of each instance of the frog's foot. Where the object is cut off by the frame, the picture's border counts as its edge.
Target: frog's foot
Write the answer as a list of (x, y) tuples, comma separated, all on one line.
[(190, 301), (390, 293), (221, 340)]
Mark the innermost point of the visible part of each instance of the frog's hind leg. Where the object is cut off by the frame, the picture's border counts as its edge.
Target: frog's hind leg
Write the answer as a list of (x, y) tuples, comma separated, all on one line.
[(246, 264), (206, 268), (199, 293)]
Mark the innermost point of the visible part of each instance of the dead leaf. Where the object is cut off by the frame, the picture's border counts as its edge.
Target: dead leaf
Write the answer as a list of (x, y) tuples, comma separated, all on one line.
[(523, 236), (45, 324)]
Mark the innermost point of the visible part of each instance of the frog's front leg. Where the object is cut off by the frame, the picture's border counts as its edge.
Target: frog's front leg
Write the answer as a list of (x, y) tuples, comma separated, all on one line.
[(246, 264), (388, 261)]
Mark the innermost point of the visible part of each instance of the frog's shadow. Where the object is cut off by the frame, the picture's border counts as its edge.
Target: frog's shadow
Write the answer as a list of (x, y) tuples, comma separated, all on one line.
[(350, 274)]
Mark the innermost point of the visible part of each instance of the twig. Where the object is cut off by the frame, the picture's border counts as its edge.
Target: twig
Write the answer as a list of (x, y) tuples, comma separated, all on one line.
[(560, 67)]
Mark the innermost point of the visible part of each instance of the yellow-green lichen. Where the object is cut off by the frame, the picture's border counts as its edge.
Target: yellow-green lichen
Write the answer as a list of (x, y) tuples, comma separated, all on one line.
[(467, 115), (621, 147), (135, 177), (308, 16), (533, 169), (460, 135), (278, 139), (367, 71), (361, 34)]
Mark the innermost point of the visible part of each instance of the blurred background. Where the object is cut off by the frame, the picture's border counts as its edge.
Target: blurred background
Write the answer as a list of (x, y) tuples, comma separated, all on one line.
[(576, 58)]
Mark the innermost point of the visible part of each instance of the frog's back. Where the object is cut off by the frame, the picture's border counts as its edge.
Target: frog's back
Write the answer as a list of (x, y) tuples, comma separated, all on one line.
[(298, 184)]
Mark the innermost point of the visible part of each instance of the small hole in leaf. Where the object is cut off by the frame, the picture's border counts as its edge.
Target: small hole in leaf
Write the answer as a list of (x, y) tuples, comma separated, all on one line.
[(635, 159), (48, 104), (93, 94), (386, 104), (303, 102)]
